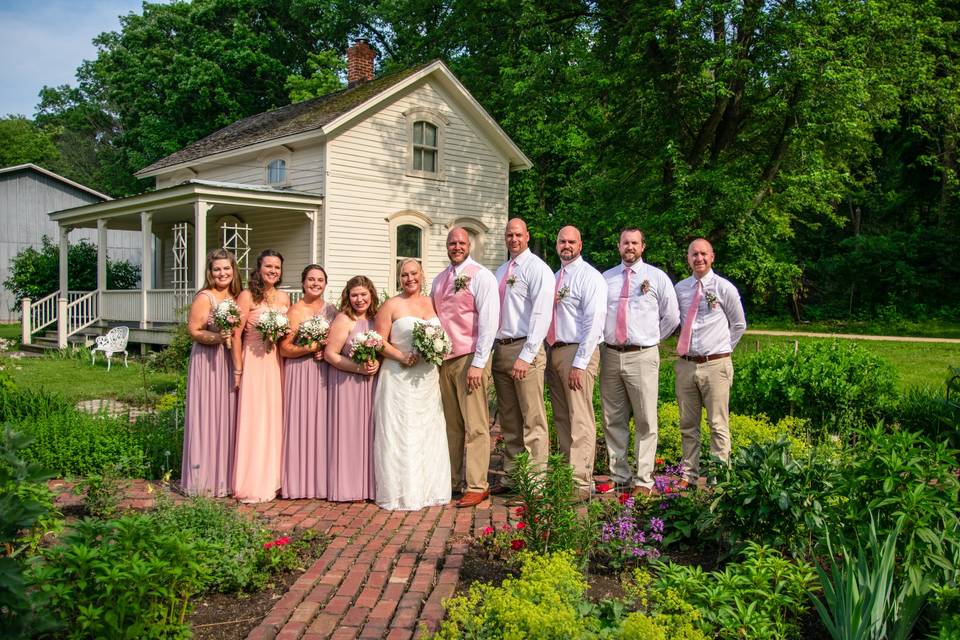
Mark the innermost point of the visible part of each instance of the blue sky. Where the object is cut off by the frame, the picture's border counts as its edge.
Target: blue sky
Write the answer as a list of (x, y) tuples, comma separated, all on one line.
[(42, 42)]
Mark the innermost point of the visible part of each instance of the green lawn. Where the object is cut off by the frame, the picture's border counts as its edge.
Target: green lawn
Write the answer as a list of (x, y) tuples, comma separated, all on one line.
[(917, 363), (10, 331), (937, 328), (77, 379)]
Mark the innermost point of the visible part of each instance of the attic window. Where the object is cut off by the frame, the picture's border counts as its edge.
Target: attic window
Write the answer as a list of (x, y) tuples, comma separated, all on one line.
[(426, 130), (277, 172)]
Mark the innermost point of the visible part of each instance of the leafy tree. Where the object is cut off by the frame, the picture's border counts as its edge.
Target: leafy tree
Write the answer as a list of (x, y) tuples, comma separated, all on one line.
[(323, 77), (21, 141), (35, 274)]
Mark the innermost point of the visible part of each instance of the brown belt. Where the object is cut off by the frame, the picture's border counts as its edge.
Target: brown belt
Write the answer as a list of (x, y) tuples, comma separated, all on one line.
[(623, 348), (702, 359), (504, 341), (557, 345)]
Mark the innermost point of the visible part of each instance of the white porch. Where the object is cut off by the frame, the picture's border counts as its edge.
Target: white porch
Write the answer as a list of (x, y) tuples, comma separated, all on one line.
[(178, 226)]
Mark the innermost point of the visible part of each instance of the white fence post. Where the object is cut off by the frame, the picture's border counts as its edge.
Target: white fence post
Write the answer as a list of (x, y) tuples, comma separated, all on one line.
[(62, 322), (25, 321)]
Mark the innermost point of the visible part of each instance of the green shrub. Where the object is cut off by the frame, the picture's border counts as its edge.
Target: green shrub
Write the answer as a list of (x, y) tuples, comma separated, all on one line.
[(832, 384), (234, 558), (176, 355), (926, 410), (744, 431), (541, 603), (761, 597), (120, 579), (19, 405)]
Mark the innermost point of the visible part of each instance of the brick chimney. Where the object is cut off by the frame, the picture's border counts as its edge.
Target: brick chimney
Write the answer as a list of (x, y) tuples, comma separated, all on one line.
[(360, 63)]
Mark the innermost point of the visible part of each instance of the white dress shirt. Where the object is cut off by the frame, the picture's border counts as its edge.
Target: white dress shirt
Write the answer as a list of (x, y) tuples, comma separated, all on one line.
[(527, 304), (581, 309), (651, 316), (486, 297), (720, 320)]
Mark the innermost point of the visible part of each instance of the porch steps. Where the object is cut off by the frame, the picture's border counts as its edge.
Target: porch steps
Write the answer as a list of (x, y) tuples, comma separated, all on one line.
[(46, 341)]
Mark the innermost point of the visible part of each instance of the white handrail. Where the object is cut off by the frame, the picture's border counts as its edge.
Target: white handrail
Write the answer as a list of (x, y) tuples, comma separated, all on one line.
[(43, 312), (83, 312)]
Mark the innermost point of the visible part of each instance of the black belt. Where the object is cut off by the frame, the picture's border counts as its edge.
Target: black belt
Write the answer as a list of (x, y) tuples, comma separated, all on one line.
[(702, 359), (623, 348), (502, 341), (557, 345)]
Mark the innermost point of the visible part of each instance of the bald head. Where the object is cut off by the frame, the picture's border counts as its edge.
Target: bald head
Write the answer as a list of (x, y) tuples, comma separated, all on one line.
[(516, 237), (700, 257), (569, 244), (458, 245)]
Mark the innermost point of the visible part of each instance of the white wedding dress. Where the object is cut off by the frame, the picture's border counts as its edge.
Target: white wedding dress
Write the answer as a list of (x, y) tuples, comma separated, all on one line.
[(411, 462)]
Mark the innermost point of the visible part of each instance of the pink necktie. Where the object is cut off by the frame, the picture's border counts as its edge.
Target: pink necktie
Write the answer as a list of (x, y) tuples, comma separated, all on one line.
[(552, 332), (506, 278), (621, 334), (683, 344)]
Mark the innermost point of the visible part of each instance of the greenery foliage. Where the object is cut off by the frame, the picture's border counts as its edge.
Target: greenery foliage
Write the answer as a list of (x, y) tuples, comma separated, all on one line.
[(832, 384), (35, 274)]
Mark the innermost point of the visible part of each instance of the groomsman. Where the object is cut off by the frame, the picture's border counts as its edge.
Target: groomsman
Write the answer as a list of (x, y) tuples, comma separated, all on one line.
[(575, 331), (465, 297), (713, 323), (642, 311), (526, 299)]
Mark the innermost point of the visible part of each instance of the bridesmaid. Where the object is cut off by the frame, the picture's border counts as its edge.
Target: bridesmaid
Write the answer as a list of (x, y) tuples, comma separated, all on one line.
[(305, 377), (257, 375), (209, 436), (350, 421)]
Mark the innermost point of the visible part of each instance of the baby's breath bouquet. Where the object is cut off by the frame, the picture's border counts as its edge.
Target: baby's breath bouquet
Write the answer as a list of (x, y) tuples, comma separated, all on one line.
[(313, 332), (431, 342), (226, 316), (366, 346), (272, 325)]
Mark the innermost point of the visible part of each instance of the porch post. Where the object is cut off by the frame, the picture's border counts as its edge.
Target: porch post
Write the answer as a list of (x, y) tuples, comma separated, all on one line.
[(25, 330), (101, 254), (146, 265), (200, 209), (314, 216), (64, 288)]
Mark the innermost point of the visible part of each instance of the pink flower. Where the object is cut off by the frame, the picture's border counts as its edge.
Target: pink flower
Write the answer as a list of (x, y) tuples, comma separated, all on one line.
[(488, 531), (517, 544), (520, 511), (521, 525), (232, 319), (268, 545)]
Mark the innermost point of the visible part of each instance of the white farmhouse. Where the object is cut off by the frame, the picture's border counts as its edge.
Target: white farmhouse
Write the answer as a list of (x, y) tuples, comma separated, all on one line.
[(353, 180)]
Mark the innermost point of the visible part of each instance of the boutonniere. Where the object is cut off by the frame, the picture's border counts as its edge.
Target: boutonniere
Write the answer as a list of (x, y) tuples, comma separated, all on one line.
[(460, 283), (711, 300), (562, 293), (644, 287), (512, 280)]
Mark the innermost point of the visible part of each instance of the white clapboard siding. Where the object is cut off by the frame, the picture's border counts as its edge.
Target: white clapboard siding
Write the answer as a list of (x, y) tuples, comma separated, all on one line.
[(367, 183)]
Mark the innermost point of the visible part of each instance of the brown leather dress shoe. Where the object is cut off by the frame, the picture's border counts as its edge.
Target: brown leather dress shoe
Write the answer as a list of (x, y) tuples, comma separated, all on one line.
[(500, 490), (472, 498)]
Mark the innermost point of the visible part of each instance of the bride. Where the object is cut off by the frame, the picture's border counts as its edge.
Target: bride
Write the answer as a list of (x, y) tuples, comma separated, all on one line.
[(410, 458)]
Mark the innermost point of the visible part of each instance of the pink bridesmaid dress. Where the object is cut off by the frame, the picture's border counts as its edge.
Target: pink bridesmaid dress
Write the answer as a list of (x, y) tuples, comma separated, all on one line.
[(350, 430), (259, 418)]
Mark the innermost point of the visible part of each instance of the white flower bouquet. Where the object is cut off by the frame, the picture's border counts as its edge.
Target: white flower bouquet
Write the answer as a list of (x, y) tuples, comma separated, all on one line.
[(431, 342), (312, 332), (366, 346), (272, 325), (226, 316)]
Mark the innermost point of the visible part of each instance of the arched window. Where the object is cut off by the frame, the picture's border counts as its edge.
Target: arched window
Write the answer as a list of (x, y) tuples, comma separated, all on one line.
[(277, 171), (409, 245), (426, 129), (425, 147), (408, 239)]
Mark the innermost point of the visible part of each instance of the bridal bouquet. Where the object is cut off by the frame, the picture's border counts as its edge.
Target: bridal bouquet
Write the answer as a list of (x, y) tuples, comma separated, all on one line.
[(272, 325), (366, 346), (227, 318), (431, 342), (313, 332)]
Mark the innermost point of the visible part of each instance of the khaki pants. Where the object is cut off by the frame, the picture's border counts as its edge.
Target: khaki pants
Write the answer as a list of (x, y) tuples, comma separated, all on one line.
[(523, 417), (573, 413), (629, 383), (698, 386), (468, 423)]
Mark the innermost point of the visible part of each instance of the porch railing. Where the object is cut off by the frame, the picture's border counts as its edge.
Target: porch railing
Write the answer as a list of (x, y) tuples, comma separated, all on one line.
[(81, 313), (37, 315)]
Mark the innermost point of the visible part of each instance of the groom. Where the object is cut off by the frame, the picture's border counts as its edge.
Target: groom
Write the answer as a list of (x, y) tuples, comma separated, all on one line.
[(466, 298)]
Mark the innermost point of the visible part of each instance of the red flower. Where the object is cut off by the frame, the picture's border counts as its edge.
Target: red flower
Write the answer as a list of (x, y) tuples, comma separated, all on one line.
[(517, 544), (521, 525), (603, 487), (488, 531), (658, 461), (268, 545), (623, 497), (520, 511), (668, 489)]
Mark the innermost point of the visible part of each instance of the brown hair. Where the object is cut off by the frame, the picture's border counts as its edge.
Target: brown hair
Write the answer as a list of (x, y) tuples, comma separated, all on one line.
[(255, 283), (222, 254), (359, 281), (310, 267)]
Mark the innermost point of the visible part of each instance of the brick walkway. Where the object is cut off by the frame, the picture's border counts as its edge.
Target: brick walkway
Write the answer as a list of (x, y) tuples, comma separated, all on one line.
[(384, 574)]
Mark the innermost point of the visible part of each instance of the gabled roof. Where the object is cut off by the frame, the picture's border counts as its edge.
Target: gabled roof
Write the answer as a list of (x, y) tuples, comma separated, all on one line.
[(324, 114), (67, 181)]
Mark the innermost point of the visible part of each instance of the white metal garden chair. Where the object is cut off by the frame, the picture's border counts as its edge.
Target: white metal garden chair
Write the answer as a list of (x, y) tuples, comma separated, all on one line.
[(114, 342)]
